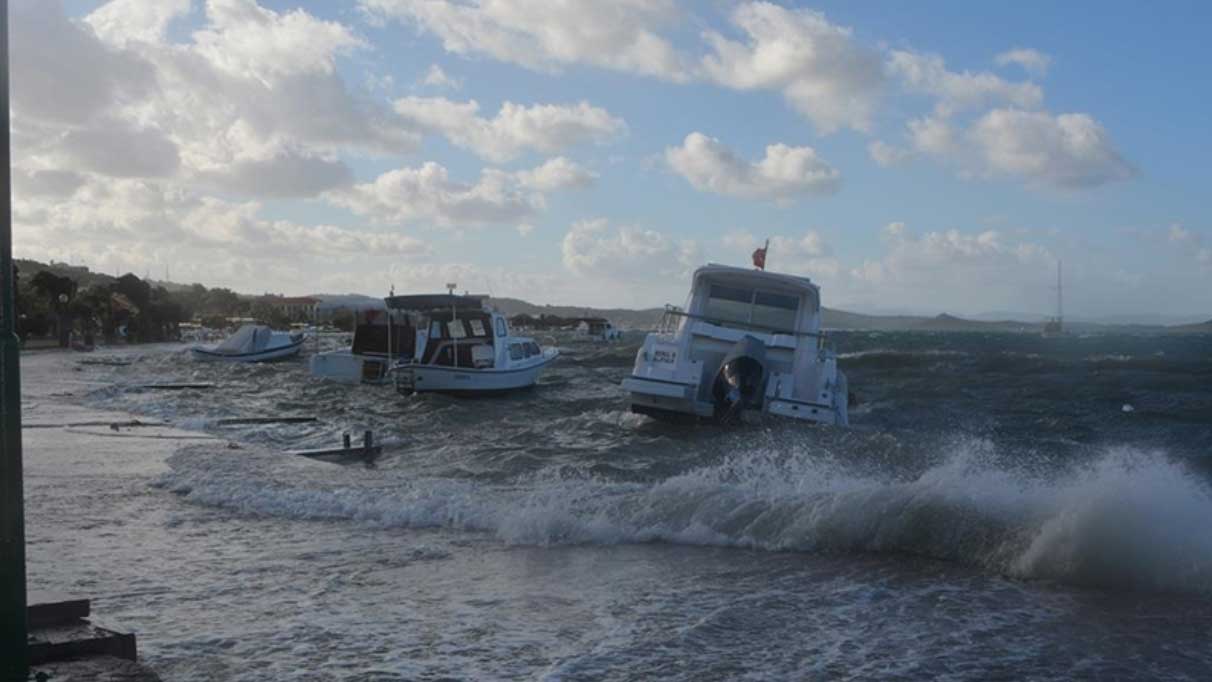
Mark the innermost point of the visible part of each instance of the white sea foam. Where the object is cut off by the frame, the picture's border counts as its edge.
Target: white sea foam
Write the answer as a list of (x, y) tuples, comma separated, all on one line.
[(1133, 519)]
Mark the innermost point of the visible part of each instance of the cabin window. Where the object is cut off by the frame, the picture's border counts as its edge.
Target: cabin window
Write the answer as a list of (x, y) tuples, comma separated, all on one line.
[(435, 330), (516, 352), (477, 328), (728, 304), (501, 327), (455, 329), (532, 348), (775, 310), (737, 306)]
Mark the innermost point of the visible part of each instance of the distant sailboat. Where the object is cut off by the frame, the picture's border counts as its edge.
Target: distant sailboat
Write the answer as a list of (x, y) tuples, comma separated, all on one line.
[(1055, 326)]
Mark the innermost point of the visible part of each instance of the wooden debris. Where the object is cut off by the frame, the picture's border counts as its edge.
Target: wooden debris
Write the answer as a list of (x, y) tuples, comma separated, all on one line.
[(264, 420), (113, 426), (367, 452)]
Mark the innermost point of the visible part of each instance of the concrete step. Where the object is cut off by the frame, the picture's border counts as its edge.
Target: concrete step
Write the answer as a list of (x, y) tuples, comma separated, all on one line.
[(52, 608), (61, 627), (79, 639)]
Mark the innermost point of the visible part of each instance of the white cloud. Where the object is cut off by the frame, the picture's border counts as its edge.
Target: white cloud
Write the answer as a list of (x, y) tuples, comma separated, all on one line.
[(1180, 234), (130, 224), (427, 194), (38, 183), (546, 128), (938, 271), (621, 35), (250, 41), (1068, 151), (62, 74), (933, 135), (435, 77), (806, 254), (120, 21), (591, 248), (252, 104), (118, 150), (553, 174), (886, 155), (783, 174), (928, 74), (525, 229), (818, 66), (1192, 243), (285, 173), (1033, 61)]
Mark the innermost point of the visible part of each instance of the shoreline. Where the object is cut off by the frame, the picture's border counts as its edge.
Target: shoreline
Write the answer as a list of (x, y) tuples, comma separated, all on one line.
[(64, 460)]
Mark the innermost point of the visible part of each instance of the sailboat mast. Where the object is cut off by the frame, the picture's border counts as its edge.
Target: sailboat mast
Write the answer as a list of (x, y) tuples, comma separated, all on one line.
[(1060, 292)]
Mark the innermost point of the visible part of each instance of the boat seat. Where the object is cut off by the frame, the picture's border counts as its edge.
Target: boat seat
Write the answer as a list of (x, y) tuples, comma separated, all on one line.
[(482, 356)]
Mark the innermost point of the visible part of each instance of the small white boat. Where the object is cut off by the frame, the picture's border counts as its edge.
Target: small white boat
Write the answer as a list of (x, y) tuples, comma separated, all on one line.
[(749, 341), (461, 347), (598, 329), (377, 342), (252, 343)]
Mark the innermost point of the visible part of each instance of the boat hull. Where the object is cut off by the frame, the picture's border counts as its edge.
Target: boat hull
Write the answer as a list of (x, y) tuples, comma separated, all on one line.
[(466, 381), (268, 355), (678, 402), (346, 367)]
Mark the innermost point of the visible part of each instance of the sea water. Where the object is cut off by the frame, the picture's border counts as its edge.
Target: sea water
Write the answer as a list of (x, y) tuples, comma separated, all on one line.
[(993, 513)]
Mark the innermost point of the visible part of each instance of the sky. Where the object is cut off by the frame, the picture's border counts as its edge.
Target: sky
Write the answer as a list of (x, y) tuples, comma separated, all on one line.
[(908, 157)]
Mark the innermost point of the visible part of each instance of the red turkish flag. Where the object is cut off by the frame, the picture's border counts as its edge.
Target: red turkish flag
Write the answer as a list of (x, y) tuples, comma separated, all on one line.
[(759, 258)]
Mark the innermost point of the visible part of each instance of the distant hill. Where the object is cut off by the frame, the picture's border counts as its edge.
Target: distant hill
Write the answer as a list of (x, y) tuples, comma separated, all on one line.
[(649, 318), (623, 318), (84, 277), (1199, 328)]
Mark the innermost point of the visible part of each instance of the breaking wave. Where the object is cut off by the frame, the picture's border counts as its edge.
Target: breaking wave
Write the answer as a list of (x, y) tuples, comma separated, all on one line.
[(1129, 519)]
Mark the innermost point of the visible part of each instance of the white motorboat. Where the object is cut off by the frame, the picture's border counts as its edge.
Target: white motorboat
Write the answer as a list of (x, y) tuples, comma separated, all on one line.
[(462, 347), (379, 339), (747, 342), (252, 343), (598, 329)]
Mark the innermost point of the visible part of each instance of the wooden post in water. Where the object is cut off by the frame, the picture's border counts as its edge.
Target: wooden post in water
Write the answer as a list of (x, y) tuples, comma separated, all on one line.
[(14, 630)]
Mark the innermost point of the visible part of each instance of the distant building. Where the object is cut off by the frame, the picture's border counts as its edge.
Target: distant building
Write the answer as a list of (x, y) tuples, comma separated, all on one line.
[(296, 308)]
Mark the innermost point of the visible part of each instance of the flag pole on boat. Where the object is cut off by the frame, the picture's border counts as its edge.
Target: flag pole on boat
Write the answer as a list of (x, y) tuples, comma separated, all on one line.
[(759, 255)]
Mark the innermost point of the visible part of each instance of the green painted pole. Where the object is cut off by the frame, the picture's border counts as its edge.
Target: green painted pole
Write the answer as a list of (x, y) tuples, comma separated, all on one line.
[(14, 650)]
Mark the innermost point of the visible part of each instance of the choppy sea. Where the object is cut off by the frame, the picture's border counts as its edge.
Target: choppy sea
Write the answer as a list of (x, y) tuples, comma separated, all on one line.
[(1002, 507)]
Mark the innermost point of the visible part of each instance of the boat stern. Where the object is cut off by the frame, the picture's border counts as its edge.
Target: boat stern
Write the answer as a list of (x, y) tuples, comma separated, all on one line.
[(662, 382)]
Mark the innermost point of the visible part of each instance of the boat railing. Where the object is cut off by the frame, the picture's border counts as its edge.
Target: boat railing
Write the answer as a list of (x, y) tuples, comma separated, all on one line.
[(674, 315)]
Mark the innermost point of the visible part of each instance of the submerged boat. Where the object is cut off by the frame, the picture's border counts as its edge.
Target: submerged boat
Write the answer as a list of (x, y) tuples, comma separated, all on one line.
[(252, 343), (379, 338), (748, 342), (598, 329), (462, 347)]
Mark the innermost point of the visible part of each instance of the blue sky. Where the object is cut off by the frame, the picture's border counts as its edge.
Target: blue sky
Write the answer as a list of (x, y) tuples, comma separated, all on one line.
[(921, 157)]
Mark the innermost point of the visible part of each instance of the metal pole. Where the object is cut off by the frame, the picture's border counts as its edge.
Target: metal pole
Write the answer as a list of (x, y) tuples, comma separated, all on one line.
[(14, 664)]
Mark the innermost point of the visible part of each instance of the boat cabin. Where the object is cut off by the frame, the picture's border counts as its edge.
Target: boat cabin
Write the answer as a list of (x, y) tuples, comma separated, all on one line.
[(458, 331)]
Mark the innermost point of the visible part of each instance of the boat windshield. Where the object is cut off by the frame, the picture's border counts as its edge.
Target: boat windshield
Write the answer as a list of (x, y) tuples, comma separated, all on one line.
[(742, 307)]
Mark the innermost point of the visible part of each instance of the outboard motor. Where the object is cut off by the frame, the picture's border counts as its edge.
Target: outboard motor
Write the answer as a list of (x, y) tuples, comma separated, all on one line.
[(740, 382)]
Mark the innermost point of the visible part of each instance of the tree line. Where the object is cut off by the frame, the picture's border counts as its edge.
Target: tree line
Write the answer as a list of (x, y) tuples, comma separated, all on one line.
[(124, 309)]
